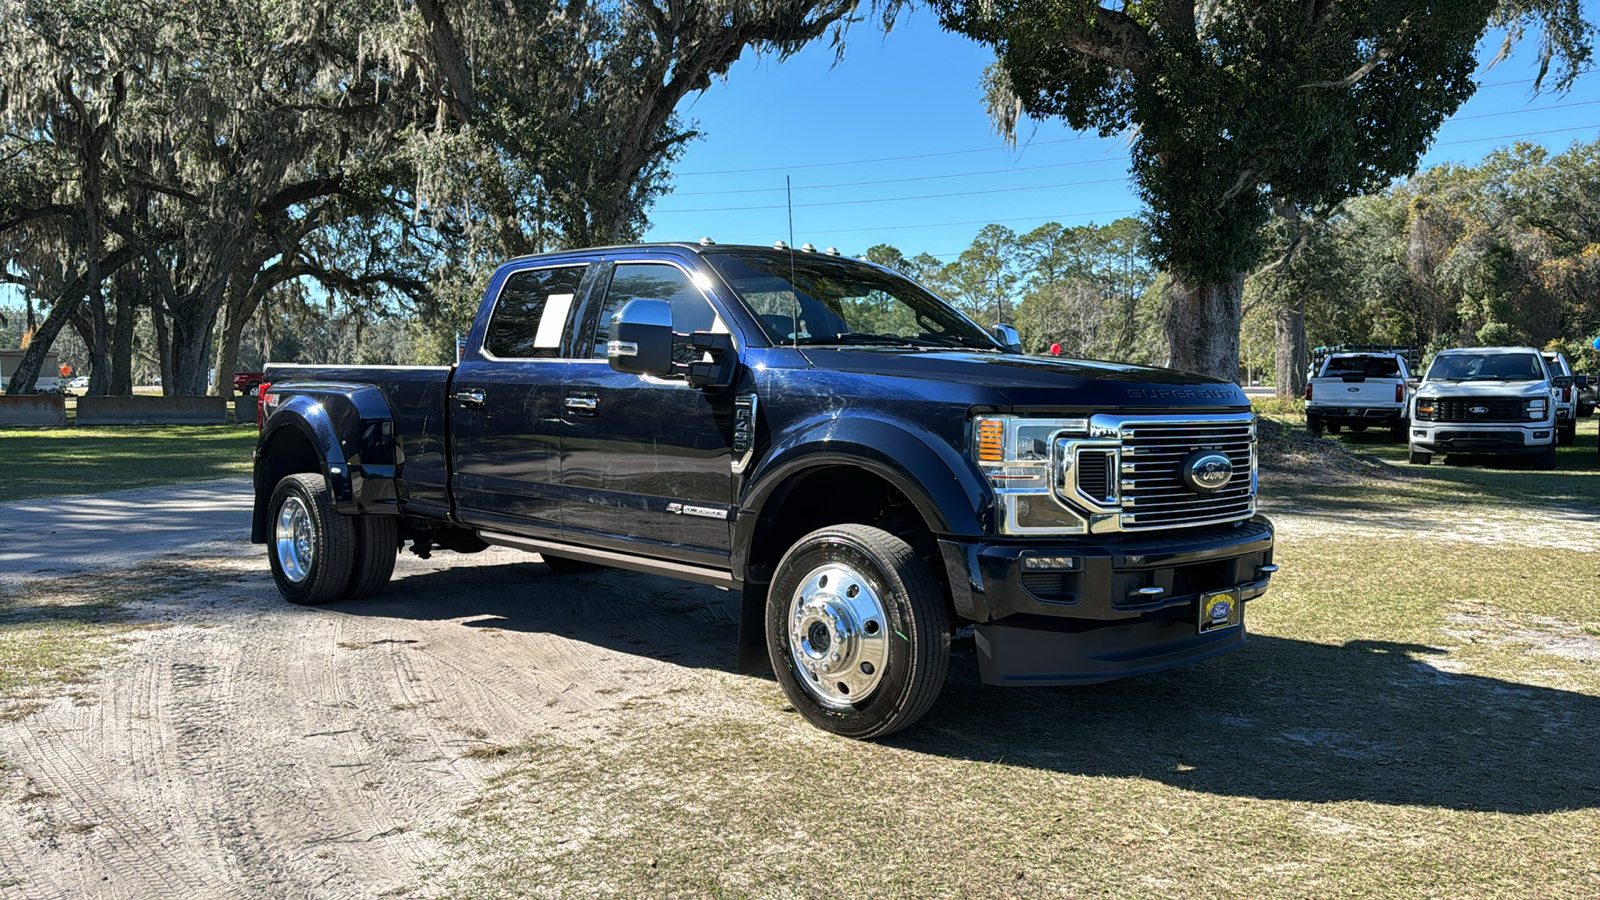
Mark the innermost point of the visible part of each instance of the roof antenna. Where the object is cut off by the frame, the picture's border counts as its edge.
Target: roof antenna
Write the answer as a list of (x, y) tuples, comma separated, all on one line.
[(794, 290)]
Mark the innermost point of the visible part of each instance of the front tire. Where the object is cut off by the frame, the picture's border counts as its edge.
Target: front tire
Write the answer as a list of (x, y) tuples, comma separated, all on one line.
[(857, 631), (1546, 458), (312, 548), (1418, 457)]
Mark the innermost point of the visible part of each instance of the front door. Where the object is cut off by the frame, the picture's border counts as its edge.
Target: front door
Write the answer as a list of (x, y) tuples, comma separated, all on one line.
[(647, 462)]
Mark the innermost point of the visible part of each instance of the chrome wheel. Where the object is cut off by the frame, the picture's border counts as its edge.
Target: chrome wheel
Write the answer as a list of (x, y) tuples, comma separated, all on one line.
[(839, 634), (296, 539)]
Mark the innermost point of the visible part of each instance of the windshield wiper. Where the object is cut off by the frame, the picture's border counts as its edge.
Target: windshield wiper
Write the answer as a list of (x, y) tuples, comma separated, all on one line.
[(859, 337), (959, 340)]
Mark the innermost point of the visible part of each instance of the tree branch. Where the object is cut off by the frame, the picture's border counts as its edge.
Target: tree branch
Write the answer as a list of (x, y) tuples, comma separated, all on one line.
[(1115, 38)]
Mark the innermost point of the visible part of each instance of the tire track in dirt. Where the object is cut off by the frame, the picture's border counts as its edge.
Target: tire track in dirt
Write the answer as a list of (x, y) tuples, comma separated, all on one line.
[(253, 748)]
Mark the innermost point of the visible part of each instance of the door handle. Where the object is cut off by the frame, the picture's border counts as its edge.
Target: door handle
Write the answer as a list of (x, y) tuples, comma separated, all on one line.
[(471, 399), (582, 404)]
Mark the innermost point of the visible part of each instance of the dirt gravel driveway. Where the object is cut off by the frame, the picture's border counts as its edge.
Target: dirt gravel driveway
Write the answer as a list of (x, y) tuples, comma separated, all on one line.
[(245, 747)]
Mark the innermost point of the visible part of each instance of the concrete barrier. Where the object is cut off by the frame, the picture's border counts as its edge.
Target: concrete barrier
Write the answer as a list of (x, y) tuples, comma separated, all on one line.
[(152, 411), (244, 410), (33, 409)]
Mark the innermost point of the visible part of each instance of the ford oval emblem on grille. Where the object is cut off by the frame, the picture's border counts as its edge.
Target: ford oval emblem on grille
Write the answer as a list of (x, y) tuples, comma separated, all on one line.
[(1479, 410), (1206, 471)]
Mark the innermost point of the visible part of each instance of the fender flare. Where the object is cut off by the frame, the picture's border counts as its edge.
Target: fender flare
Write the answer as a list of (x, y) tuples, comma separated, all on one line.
[(946, 490), (350, 429)]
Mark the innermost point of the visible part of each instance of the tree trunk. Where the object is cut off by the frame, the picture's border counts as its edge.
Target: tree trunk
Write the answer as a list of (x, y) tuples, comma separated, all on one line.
[(61, 311), (158, 317), (1289, 356), (237, 313), (22, 381), (125, 288), (191, 351), (1203, 327)]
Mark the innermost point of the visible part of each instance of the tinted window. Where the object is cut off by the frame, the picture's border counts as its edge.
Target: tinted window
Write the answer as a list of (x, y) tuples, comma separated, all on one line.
[(1369, 366), (825, 300), (531, 314), (691, 311), (1487, 367)]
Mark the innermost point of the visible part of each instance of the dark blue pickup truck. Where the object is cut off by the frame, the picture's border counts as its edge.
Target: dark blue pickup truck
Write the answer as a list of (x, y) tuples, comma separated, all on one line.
[(876, 473)]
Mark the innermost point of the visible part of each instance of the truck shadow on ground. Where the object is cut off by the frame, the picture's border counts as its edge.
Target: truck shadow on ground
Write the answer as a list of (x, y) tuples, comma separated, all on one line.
[(1285, 719), (1280, 719)]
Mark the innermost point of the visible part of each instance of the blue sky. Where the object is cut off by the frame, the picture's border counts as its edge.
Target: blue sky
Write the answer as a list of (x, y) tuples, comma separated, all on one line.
[(892, 145)]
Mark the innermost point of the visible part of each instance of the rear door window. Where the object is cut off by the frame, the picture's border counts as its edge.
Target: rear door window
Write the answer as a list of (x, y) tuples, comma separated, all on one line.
[(531, 313)]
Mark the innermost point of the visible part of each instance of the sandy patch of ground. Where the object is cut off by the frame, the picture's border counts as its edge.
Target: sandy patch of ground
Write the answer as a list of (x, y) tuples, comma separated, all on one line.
[(252, 748)]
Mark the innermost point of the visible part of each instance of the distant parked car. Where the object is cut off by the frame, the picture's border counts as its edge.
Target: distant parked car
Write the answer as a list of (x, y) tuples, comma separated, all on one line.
[(247, 382), (82, 381)]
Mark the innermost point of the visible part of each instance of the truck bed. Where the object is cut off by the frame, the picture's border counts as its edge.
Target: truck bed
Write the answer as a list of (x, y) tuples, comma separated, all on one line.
[(417, 396)]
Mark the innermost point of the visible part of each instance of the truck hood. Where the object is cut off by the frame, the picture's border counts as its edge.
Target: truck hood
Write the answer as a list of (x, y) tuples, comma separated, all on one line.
[(1033, 381), (1450, 389)]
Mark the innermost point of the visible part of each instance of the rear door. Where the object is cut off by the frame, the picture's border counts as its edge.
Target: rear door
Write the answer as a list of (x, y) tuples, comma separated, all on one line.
[(647, 462), (506, 423)]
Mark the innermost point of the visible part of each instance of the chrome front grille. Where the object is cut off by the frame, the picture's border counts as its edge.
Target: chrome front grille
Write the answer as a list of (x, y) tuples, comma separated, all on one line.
[(1153, 492), (1155, 466)]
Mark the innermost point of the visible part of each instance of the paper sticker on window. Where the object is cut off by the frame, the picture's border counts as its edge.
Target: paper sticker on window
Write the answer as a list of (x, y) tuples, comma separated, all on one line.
[(553, 321)]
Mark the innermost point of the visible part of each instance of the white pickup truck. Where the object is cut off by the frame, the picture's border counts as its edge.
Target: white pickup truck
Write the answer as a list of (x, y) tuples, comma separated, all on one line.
[(1359, 391), (1487, 400)]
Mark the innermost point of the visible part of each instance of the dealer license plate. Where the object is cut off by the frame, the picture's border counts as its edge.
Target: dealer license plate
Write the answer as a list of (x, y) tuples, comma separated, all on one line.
[(1219, 610)]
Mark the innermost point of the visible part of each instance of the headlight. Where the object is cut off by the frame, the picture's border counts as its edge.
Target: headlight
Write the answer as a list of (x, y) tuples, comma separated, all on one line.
[(1014, 454), (1425, 408), (1536, 409)]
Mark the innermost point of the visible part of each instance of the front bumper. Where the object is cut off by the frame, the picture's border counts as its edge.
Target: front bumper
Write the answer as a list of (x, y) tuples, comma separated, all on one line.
[(1472, 437), (1126, 606), (1374, 416)]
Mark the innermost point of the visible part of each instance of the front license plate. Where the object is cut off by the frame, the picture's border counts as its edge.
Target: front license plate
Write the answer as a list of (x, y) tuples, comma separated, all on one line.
[(1219, 610)]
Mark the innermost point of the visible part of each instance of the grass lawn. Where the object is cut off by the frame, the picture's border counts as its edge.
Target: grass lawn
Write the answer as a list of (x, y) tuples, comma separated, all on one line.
[(1414, 716), (52, 462)]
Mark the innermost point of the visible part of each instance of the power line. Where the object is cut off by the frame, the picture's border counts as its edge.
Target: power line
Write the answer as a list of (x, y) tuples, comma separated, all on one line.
[(818, 187), (862, 162), (1507, 137), (1038, 187), (1518, 112), (1057, 217)]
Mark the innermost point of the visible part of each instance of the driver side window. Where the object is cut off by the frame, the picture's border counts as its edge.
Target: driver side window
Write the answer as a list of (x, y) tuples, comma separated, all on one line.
[(691, 311)]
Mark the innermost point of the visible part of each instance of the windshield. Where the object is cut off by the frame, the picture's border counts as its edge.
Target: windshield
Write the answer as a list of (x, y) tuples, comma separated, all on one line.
[(1487, 367), (1368, 366), (839, 301)]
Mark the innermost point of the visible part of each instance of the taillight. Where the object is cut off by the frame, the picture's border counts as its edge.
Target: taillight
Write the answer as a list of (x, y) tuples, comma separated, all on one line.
[(1399, 393), (261, 405), (1308, 390), (1566, 395)]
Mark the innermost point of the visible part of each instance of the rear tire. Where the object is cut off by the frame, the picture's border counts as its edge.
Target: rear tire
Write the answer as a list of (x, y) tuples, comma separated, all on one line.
[(311, 548), (857, 631), (1418, 457), (377, 545), (1397, 433), (1567, 435), (1314, 426), (1333, 429)]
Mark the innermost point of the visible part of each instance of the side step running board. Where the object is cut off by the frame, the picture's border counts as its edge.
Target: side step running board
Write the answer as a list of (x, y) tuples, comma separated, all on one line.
[(718, 577)]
